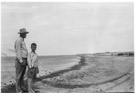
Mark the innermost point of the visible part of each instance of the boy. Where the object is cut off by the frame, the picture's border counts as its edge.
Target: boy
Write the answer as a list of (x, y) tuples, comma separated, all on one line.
[(33, 70)]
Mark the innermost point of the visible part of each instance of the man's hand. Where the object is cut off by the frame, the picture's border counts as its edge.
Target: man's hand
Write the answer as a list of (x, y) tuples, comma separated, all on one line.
[(22, 63), (32, 70)]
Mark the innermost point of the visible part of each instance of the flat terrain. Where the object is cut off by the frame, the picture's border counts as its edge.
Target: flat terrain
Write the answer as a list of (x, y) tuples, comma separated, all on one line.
[(77, 74)]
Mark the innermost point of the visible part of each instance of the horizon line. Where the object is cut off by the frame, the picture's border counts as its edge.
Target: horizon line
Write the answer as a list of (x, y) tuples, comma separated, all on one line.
[(73, 54)]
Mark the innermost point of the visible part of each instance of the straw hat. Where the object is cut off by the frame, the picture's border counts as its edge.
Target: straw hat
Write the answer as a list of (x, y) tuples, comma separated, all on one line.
[(23, 30)]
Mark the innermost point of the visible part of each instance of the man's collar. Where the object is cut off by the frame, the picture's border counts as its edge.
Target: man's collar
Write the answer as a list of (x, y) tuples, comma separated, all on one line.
[(21, 38)]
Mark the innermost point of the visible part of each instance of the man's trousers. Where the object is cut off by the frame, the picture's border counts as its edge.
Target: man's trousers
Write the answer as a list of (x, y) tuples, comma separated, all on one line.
[(20, 71)]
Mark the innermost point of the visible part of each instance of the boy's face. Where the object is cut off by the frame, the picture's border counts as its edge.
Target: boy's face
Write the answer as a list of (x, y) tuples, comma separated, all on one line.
[(33, 47)]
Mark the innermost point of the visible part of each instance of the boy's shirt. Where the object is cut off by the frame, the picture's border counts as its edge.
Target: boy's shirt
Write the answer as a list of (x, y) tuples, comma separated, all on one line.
[(32, 60)]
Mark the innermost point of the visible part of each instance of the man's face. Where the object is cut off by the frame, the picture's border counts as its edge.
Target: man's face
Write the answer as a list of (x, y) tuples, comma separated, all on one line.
[(33, 47), (23, 35)]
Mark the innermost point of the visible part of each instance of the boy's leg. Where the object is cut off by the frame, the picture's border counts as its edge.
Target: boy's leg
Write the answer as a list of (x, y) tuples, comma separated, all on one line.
[(30, 84), (30, 80), (34, 78)]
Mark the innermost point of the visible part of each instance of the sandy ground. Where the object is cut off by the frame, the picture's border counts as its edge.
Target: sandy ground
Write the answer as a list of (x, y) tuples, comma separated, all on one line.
[(87, 74)]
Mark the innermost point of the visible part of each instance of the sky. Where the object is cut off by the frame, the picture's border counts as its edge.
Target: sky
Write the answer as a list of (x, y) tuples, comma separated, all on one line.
[(65, 28)]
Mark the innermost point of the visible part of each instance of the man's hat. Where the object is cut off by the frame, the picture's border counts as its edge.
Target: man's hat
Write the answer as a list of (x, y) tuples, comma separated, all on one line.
[(23, 30)]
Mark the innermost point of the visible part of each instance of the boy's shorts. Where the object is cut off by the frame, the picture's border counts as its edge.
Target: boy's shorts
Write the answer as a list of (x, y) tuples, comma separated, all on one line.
[(32, 72)]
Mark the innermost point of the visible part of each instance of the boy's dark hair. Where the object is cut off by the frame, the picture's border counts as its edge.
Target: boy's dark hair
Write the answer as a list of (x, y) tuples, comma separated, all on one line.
[(34, 44)]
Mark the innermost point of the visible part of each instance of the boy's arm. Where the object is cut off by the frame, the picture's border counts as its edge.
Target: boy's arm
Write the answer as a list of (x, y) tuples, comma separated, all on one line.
[(37, 66), (29, 61), (35, 61)]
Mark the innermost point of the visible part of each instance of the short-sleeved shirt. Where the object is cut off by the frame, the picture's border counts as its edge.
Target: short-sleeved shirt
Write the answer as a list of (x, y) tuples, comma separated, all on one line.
[(32, 60), (20, 49)]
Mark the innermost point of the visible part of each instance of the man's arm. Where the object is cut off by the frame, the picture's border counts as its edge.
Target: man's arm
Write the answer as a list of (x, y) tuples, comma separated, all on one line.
[(18, 51)]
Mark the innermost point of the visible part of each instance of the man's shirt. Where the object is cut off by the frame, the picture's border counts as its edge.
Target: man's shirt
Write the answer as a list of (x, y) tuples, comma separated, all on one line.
[(32, 60), (20, 49)]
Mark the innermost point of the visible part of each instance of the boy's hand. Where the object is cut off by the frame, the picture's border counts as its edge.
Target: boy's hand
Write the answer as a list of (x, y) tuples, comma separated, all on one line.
[(31, 69)]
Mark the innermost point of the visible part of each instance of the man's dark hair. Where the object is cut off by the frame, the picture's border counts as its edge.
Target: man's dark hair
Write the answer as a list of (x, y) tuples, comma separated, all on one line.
[(34, 44)]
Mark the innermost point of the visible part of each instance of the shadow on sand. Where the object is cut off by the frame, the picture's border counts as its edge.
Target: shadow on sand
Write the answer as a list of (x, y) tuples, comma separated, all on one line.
[(11, 88), (57, 73)]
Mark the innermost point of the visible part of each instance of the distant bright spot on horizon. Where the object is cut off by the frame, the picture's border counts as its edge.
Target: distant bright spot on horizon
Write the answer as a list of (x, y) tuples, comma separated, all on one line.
[(68, 28)]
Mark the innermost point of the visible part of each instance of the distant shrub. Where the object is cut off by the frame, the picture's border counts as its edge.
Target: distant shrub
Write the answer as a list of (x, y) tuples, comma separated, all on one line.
[(131, 54), (126, 54), (120, 54)]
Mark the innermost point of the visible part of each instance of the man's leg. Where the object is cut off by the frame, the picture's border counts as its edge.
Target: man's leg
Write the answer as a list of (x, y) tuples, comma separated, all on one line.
[(18, 75), (23, 86)]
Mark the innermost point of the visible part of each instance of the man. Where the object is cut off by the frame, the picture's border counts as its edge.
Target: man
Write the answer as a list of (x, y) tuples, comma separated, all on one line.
[(21, 61), (32, 68)]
